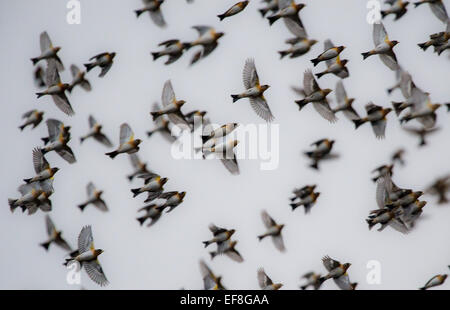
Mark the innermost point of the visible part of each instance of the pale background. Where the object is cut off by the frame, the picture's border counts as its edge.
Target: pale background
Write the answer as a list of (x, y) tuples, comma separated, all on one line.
[(166, 256)]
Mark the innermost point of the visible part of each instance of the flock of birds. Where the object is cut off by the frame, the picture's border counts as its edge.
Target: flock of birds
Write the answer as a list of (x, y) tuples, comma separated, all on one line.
[(398, 208)]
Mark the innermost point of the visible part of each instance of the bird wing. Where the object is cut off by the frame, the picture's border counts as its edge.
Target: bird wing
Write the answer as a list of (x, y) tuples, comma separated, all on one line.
[(103, 139), (390, 60), (298, 31), (63, 244), (249, 74), (49, 225), (67, 154), (379, 33), (74, 70), (323, 108), (135, 162), (95, 272), (398, 225), (158, 18), (263, 278), (27, 114), (283, 4), (234, 255), (343, 282), (326, 46), (330, 263), (278, 242), (169, 42), (173, 58), (105, 69), (268, 221), (209, 48), (427, 121), (439, 10), (90, 189), (341, 94), (126, 133), (351, 114), (101, 205), (215, 229), (39, 161), (167, 195), (45, 41), (309, 83), (202, 29), (92, 121), (62, 102), (168, 95), (85, 239), (231, 165), (98, 56), (381, 191), (51, 73), (261, 108), (379, 128), (54, 128)]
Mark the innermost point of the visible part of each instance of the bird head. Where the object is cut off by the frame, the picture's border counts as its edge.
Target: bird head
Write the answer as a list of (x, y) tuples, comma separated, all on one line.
[(56, 48), (98, 252), (232, 231), (387, 111), (326, 91), (219, 35), (394, 43), (346, 266), (435, 106), (312, 42), (332, 142), (277, 286), (182, 194), (350, 100), (55, 169), (235, 142), (418, 193), (180, 103), (299, 6), (340, 48), (137, 141), (112, 55), (317, 194), (264, 87), (163, 181)]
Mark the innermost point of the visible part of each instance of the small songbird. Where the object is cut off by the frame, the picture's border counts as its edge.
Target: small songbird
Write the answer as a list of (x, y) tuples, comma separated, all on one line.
[(48, 51), (171, 106), (254, 91), (154, 185), (43, 201), (288, 10), (140, 168), (54, 236), (300, 44), (87, 256), (438, 40), (335, 65), (172, 48), (127, 142), (219, 234), (33, 117), (300, 193), (312, 279), (266, 283), (421, 132), (316, 96), (228, 248), (235, 9), (387, 217), (153, 7), (152, 212), (210, 280), (163, 125), (330, 52), (321, 152), (56, 89), (382, 171), (434, 281), (41, 167), (398, 157), (220, 132), (405, 200), (273, 230), (308, 202), (437, 7), (78, 79), (173, 200), (398, 8), (422, 109), (335, 269), (29, 194), (208, 39), (376, 115), (383, 47), (440, 187), (410, 213), (58, 137), (94, 197), (344, 103), (96, 133), (102, 60), (271, 6)]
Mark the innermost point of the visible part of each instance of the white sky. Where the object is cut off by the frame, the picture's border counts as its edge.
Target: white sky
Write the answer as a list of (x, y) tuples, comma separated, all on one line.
[(166, 255)]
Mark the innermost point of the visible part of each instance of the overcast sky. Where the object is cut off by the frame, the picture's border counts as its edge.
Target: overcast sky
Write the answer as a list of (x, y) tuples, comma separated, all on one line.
[(166, 255)]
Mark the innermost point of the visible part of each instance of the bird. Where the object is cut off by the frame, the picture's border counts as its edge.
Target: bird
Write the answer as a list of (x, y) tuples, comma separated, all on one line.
[(173, 48), (344, 103), (208, 39), (30, 194), (271, 6), (386, 217), (220, 132), (48, 51), (335, 65), (398, 8), (266, 283), (227, 248), (273, 230), (171, 107), (78, 79), (421, 109), (288, 9), (210, 280), (41, 167), (434, 281), (87, 256), (102, 60), (153, 7), (219, 234), (56, 89), (383, 170), (254, 91), (440, 187), (140, 168), (322, 151), (398, 157), (154, 185), (383, 47), (376, 115), (336, 270), (94, 197), (173, 200), (96, 133), (235, 9), (300, 44), (316, 96), (437, 40), (152, 212), (54, 236), (312, 279), (32, 117), (308, 202), (437, 7), (58, 137), (300, 193), (421, 132), (330, 52), (127, 143), (163, 125)]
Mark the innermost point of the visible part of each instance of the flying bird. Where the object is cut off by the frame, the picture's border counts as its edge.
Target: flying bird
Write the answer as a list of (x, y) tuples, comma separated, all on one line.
[(33, 117), (376, 115), (383, 47), (235, 9), (127, 143), (96, 133), (94, 197), (48, 51), (153, 7), (78, 79), (54, 236), (273, 230), (41, 167), (171, 106), (102, 60), (172, 48), (266, 283), (58, 137), (208, 39), (344, 103)]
